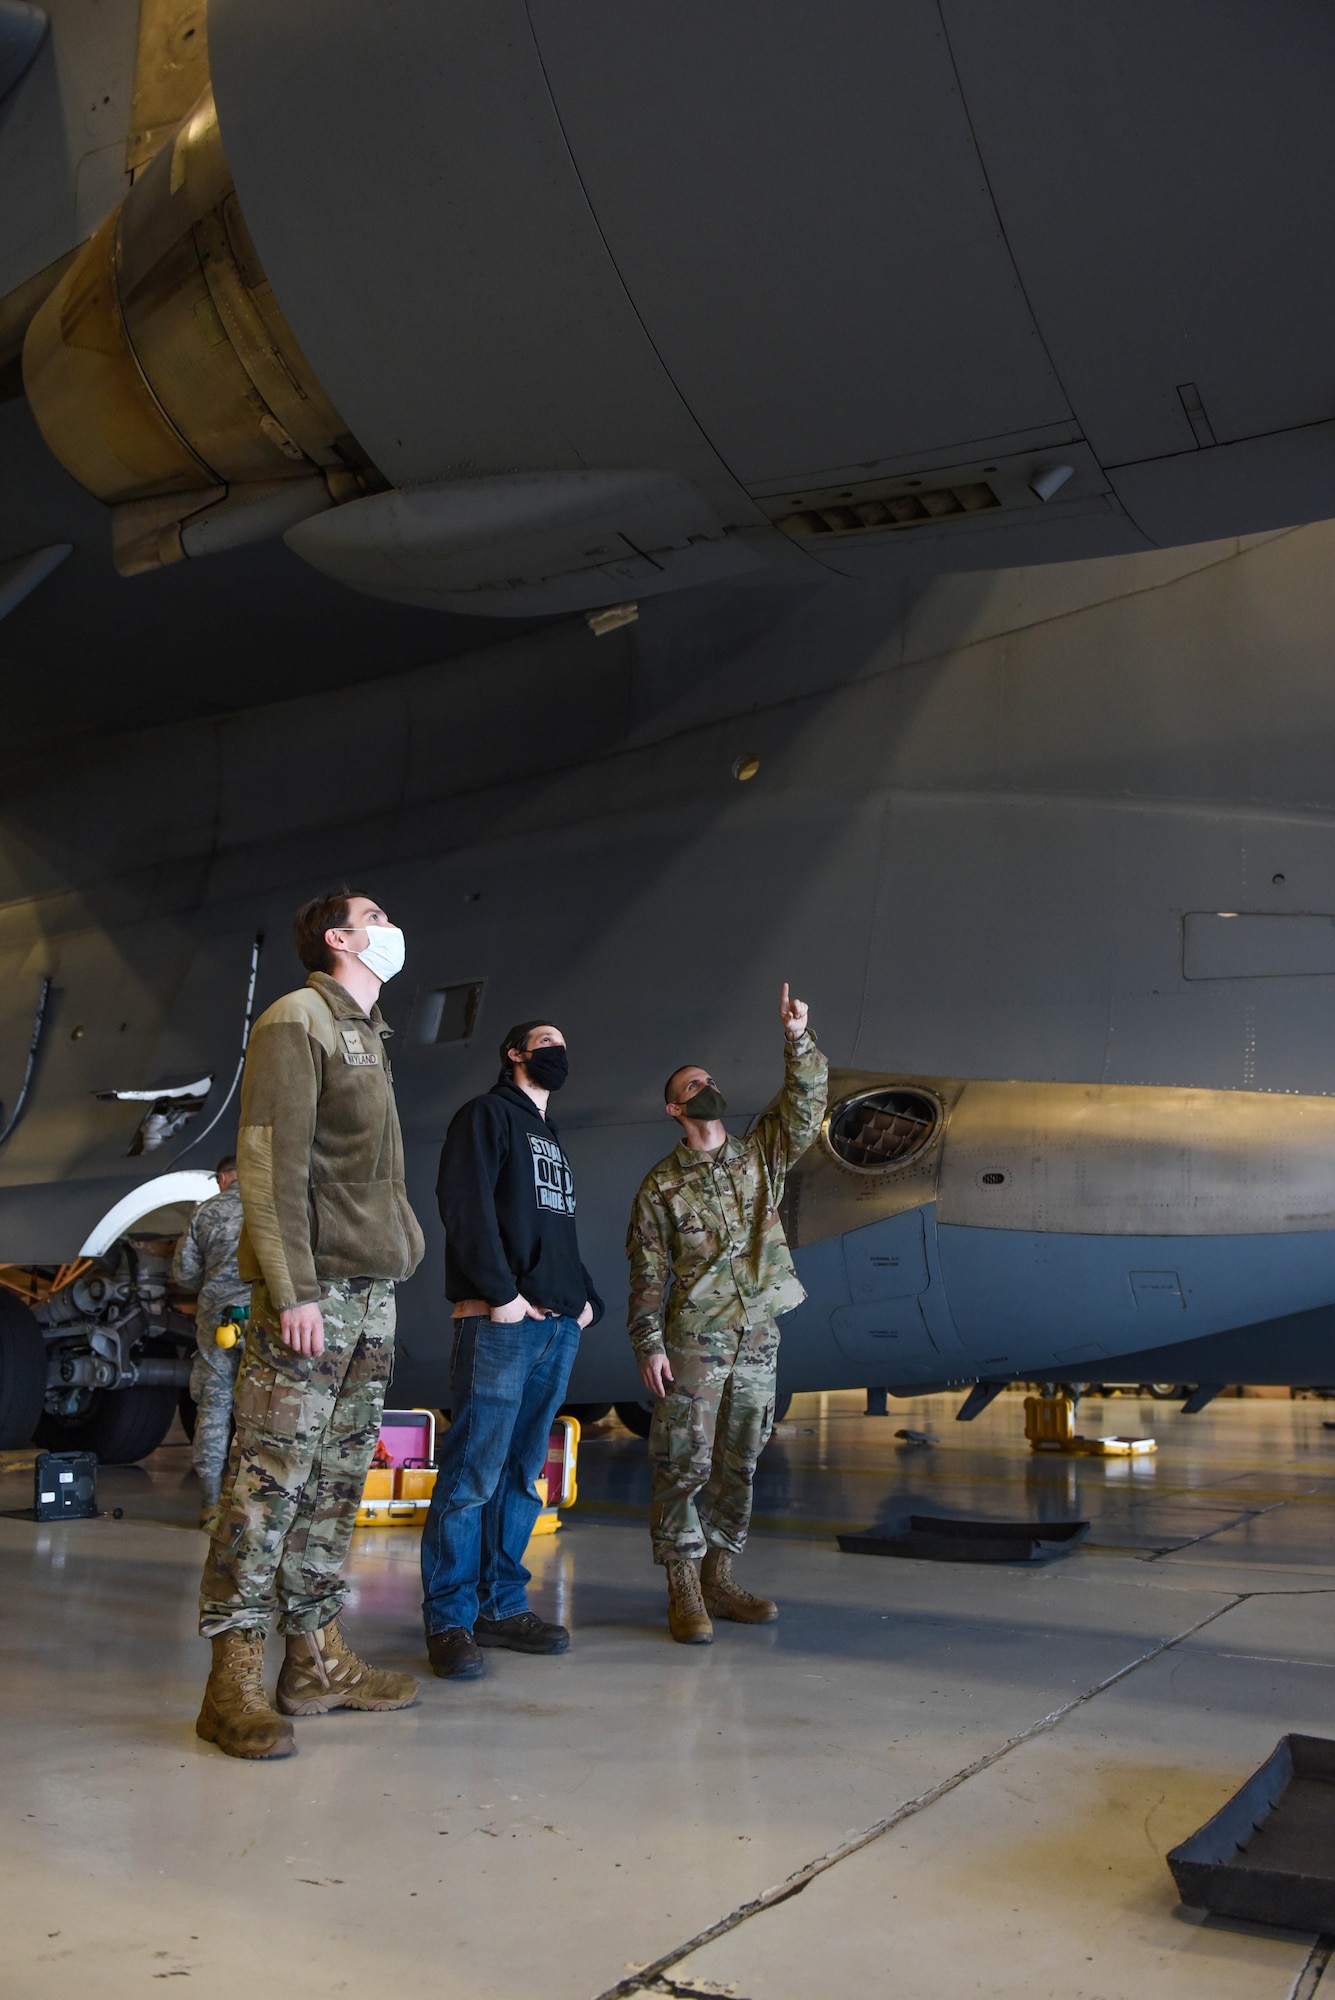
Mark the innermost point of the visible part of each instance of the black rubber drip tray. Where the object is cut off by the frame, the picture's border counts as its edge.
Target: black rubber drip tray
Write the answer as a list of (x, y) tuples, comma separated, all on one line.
[(1269, 1855), (938, 1538)]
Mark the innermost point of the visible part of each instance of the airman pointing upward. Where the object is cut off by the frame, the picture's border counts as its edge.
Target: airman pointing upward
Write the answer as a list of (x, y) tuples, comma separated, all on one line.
[(710, 1270)]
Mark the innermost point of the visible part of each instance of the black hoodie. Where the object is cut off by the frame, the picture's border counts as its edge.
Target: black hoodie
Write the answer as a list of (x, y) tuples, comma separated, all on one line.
[(507, 1199)]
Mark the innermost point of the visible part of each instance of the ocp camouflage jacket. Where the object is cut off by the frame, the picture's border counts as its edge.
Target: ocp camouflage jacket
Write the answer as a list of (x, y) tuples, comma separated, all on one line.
[(710, 1224), (319, 1155)]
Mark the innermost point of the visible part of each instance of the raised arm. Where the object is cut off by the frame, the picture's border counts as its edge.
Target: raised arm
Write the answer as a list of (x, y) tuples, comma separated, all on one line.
[(793, 1120)]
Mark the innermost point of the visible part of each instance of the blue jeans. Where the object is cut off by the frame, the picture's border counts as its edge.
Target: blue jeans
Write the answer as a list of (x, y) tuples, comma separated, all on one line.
[(507, 1383)]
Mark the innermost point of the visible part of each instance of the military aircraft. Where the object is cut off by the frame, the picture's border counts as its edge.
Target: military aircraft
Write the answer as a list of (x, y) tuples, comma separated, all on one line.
[(672, 499)]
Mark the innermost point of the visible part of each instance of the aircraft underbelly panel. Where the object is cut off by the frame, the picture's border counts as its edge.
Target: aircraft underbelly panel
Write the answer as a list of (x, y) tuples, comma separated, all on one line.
[(1024, 1300), (876, 1311), (888, 1260), (890, 1338)]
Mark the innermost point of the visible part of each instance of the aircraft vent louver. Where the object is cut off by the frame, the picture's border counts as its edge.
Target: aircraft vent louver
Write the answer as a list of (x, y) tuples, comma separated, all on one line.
[(449, 1014), (881, 1129), (893, 510)]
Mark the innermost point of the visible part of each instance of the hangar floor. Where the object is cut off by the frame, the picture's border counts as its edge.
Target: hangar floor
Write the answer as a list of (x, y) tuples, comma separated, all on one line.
[(971, 1774)]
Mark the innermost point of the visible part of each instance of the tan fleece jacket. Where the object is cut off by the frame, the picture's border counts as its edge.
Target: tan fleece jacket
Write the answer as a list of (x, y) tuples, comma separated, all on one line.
[(319, 1154)]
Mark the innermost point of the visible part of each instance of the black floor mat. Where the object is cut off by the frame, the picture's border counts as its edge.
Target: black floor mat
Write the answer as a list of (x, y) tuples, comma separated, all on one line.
[(937, 1538), (1269, 1855)]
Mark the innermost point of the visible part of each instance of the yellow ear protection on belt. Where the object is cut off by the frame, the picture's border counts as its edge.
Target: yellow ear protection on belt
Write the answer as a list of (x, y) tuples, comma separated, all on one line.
[(233, 1327)]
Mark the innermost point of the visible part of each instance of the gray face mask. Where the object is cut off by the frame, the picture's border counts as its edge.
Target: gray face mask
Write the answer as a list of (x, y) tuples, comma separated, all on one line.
[(708, 1102)]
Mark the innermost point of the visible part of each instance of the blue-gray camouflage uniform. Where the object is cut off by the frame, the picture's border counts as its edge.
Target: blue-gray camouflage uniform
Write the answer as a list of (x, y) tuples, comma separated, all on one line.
[(205, 1262)]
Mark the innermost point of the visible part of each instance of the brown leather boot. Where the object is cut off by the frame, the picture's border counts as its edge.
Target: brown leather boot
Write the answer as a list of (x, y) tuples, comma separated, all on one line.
[(321, 1672), (688, 1621), (725, 1599), (236, 1714)]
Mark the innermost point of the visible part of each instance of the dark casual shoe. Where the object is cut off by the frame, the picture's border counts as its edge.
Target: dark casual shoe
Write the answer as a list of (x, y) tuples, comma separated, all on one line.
[(524, 1633), (453, 1655)]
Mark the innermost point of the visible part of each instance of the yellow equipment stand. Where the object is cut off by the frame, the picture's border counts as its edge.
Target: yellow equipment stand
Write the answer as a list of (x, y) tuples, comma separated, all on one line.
[(1049, 1425), (398, 1494), (558, 1474)]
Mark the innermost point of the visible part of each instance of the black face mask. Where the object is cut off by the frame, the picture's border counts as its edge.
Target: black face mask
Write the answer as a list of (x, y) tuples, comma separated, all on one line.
[(548, 1067), (708, 1102)]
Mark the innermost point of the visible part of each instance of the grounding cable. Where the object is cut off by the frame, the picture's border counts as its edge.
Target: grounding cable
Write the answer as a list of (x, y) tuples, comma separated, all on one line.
[(38, 1023), (255, 950)]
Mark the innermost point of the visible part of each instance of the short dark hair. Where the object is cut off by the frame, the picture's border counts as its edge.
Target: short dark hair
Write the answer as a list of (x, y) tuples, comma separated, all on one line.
[(324, 913), (517, 1039), (226, 1165), (668, 1097)]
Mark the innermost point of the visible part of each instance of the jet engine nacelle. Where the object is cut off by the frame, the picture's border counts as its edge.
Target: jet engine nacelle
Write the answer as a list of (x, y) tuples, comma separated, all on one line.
[(923, 286), (618, 300), (948, 1230), (166, 379)]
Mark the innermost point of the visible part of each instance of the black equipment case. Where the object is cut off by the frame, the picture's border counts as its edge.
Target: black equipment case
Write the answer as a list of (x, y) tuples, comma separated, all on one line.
[(66, 1486)]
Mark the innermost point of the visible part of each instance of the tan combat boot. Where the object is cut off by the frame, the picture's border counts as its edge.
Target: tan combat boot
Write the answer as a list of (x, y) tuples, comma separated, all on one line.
[(321, 1672), (236, 1714), (688, 1621), (725, 1599)]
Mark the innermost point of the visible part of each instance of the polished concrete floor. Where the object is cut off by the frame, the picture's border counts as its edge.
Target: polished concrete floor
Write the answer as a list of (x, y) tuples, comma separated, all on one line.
[(925, 1780)]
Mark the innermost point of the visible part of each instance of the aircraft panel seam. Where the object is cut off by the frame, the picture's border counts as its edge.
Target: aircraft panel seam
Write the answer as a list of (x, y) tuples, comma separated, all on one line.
[(616, 268), (996, 210)]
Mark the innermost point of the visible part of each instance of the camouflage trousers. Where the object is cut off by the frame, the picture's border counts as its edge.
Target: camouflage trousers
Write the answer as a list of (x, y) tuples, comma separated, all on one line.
[(212, 1385), (707, 1433), (305, 1432)]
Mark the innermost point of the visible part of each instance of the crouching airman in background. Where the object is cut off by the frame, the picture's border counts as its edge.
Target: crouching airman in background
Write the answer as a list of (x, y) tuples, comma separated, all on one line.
[(205, 1263), (710, 1270)]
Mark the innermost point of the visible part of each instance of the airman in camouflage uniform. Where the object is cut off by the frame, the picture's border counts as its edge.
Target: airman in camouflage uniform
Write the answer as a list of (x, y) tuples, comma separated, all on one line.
[(710, 1270), (306, 1430), (205, 1262), (326, 1233)]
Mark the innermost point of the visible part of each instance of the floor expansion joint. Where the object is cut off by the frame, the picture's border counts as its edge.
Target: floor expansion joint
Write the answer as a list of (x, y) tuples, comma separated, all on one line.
[(1309, 1979), (649, 1978)]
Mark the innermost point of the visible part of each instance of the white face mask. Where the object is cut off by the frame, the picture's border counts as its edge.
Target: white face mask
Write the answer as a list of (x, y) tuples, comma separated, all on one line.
[(384, 950)]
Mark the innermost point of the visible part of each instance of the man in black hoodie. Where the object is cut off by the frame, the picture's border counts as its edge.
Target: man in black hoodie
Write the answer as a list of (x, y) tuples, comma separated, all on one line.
[(521, 1297)]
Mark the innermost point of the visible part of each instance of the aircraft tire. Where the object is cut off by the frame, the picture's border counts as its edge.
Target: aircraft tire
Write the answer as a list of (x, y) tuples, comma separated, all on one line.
[(1167, 1392), (123, 1425), (22, 1373)]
